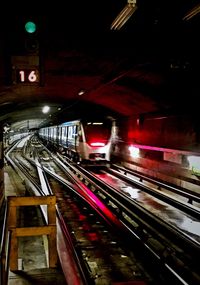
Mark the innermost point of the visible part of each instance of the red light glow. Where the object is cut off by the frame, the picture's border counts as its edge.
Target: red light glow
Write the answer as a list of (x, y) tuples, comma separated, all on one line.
[(90, 196)]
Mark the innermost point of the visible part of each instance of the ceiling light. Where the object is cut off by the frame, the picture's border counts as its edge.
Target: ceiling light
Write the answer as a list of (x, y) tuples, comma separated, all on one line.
[(81, 92), (193, 12), (124, 15), (45, 109)]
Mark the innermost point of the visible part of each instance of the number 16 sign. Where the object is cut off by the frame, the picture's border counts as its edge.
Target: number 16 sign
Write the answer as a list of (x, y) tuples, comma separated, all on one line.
[(27, 76)]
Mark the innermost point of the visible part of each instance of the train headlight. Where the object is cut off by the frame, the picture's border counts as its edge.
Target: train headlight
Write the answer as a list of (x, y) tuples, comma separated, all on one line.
[(194, 162), (134, 151)]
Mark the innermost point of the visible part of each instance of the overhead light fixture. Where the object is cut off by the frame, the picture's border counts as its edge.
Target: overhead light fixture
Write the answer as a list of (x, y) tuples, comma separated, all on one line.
[(193, 12), (45, 109), (81, 92), (124, 15)]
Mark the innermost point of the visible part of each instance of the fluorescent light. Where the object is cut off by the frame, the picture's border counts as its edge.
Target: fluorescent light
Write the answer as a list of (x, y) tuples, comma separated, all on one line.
[(193, 12), (124, 15)]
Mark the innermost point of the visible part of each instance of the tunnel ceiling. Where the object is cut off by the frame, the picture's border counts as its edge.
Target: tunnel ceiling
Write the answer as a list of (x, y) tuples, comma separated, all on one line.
[(150, 65)]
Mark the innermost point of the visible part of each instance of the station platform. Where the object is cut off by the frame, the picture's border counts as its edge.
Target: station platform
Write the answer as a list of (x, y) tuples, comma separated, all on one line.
[(32, 251)]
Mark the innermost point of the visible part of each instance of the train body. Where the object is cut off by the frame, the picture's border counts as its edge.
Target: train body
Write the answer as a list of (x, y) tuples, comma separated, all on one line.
[(84, 141)]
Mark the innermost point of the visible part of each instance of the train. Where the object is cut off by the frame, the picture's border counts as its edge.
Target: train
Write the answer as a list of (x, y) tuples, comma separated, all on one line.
[(88, 141)]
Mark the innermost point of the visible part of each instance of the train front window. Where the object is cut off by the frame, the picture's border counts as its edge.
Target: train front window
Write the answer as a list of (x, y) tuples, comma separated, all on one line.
[(97, 133)]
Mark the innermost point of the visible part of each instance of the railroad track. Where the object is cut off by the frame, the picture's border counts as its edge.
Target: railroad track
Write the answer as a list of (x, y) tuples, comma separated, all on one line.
[(168, 257)]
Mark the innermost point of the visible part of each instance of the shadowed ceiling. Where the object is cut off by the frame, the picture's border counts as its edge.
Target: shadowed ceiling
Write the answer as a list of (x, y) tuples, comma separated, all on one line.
[(150, 65)]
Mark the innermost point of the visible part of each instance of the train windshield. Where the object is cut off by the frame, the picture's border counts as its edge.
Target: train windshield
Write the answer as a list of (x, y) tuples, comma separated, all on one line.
[(97, 133)]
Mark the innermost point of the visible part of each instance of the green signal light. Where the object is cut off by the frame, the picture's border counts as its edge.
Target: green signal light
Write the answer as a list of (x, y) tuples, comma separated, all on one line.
[(30, 27)]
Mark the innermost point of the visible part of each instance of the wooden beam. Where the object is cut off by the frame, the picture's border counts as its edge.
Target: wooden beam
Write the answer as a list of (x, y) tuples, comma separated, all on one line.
[(49, 230), (31, 201), (34, 231)]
